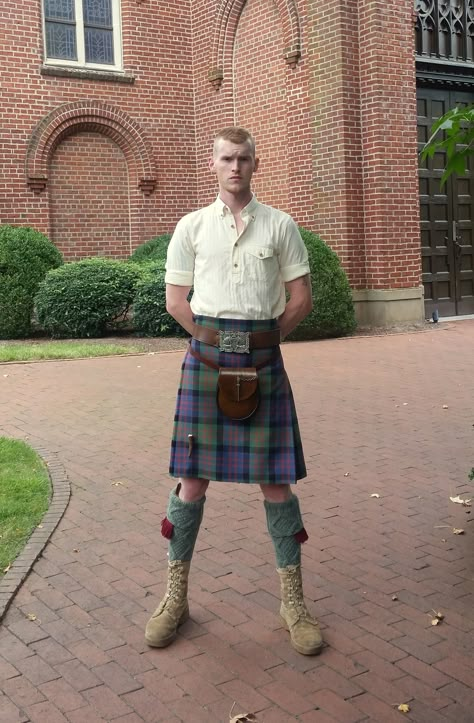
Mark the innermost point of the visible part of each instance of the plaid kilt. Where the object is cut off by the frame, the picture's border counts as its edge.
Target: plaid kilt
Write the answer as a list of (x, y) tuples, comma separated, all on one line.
[(265, 448)]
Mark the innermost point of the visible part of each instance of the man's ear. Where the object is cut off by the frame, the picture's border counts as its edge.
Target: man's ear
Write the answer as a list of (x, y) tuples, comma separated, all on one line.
[(211, 164), (257, 163)]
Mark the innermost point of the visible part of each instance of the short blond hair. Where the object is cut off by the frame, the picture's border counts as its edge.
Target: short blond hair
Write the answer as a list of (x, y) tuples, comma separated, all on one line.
[(235, 134)]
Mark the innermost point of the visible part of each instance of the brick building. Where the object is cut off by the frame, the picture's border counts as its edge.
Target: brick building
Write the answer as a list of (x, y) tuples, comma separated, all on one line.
[(109, 107)]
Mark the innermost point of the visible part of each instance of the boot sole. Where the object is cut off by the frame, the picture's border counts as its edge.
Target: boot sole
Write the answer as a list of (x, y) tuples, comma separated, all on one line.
[(164, 642), (303, 651)]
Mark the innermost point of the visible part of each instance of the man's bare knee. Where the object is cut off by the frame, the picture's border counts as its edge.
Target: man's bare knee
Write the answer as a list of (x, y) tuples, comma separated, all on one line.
[(276, 493), (192, 489)]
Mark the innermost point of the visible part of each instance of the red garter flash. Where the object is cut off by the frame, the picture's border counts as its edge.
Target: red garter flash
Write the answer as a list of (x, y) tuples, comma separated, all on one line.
[(301, 536), (167, 528)]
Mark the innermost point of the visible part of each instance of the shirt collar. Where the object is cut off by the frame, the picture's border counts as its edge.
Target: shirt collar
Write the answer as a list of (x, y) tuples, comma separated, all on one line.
[(248, 210)]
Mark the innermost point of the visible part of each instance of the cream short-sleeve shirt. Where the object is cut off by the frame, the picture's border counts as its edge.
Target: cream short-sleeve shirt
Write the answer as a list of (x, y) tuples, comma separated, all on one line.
[(236, 277)]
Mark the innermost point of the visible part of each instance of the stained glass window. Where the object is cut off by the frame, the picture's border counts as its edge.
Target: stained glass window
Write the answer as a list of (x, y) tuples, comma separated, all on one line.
[(445, 29), (82, 32)]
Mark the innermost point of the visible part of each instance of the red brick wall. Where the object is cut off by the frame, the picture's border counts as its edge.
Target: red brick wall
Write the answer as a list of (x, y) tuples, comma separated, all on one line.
[(89, 198), (336, 132), (261, 96), (157, 51), (388, 115)]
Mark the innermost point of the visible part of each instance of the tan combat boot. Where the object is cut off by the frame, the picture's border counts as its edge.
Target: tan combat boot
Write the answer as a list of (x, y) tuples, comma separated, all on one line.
[(173, 610), (304, 630)]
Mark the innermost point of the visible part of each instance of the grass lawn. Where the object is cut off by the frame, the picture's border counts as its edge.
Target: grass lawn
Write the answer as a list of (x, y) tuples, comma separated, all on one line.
[(62, 350), (24, 497)]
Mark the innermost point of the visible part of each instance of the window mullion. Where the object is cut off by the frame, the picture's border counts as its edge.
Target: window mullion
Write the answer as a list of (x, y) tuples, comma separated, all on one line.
[(81, 53)]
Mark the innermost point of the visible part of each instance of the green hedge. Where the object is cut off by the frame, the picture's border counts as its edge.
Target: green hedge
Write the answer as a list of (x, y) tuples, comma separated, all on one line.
[(86, 298), (149, 309), (26, 255), (333, 308), (153, 250)]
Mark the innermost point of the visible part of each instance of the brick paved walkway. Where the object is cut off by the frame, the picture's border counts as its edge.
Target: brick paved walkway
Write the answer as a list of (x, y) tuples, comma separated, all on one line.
[(374, 421)]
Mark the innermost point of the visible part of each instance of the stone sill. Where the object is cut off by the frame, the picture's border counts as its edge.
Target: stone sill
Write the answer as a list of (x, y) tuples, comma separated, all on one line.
[(87, 74)]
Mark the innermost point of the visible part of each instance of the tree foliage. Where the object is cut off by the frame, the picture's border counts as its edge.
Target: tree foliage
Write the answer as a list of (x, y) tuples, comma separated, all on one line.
[(452, 134)]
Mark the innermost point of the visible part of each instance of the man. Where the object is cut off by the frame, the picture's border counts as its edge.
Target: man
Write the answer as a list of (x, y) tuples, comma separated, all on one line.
[(241, 258)]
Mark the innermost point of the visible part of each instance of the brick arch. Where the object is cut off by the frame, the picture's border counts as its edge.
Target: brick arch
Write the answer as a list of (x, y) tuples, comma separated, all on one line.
[(94, 116), (227, 20)]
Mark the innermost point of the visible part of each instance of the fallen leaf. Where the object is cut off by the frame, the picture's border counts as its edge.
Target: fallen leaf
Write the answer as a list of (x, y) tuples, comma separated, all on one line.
[(445, 406), (438, 615), (394, 597), (459, 501), (75, 549), (116, 484), (346, 474), (405, 404), (40, 527), (241, 717), (7, 568), (31, 616), (435, 621), (404, 708), (375, 494), (457, 531)]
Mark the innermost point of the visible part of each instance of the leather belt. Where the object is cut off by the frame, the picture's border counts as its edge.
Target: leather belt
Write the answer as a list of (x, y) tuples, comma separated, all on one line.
[(239, 342)]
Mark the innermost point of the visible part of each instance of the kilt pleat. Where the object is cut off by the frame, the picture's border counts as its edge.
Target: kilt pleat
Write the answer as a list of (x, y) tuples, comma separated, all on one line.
[(263, 449)]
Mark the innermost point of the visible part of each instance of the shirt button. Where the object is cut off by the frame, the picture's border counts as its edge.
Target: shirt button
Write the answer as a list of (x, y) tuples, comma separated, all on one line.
[(236, 243), (232, 225), (236, 266), (260, 254)]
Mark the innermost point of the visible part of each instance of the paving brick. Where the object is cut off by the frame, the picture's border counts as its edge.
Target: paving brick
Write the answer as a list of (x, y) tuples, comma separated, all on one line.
[(246, 697), (426, 673), (107, 703), (22, 692), (156, 683), (41, 712), (359, 548), (62, 695), (37, 670), (336, 706), (116, 678), (147, 706), (77, 675), (377, 710)]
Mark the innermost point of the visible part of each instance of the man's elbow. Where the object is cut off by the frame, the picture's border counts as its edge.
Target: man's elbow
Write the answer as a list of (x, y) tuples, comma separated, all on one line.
[(171, 306)]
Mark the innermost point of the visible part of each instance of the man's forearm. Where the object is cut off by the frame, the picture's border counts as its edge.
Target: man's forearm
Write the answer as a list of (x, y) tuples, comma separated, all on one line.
[(291, 317)]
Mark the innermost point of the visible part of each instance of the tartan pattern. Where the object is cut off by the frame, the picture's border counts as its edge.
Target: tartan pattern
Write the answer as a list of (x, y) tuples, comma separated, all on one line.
[(263, 449)]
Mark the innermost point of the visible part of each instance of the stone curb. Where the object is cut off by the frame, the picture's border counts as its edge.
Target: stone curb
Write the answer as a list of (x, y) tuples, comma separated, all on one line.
[(22, 565)]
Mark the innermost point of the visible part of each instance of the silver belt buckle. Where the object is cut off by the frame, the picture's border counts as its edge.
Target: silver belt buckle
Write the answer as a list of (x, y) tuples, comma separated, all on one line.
[(234, 341)]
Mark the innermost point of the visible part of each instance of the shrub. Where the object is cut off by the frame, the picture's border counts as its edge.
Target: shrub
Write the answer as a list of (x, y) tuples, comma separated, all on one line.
[(152, 250), (149, 308), (26, 255), (333, 312), (85, 298)]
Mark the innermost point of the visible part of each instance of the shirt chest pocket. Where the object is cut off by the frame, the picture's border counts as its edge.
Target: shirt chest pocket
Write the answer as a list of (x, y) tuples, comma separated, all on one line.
[(260, 263)]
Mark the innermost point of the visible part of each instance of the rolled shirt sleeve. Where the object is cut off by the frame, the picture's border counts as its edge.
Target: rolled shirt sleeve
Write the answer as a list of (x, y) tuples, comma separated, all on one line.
[(180, 257), (293, 253)]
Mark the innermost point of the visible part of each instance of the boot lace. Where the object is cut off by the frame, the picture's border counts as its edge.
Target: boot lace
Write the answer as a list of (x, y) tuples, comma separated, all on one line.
[(295, 596)]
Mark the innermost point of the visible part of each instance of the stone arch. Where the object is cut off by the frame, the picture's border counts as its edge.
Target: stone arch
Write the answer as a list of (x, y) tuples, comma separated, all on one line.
[(90, 115), (227, 20)]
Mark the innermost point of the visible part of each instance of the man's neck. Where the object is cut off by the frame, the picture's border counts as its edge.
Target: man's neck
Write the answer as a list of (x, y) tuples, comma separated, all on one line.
[(235, 203)]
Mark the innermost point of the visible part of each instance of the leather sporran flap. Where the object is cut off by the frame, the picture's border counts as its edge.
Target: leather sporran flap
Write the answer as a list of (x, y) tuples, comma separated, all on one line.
[(237, 392)]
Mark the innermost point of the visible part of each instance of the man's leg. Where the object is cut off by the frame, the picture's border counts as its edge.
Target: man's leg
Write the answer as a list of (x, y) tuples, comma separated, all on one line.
[(286, 529), (180, 527)]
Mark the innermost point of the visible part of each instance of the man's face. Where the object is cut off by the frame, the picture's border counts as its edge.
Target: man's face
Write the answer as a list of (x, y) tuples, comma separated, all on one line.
[(234, 165)]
